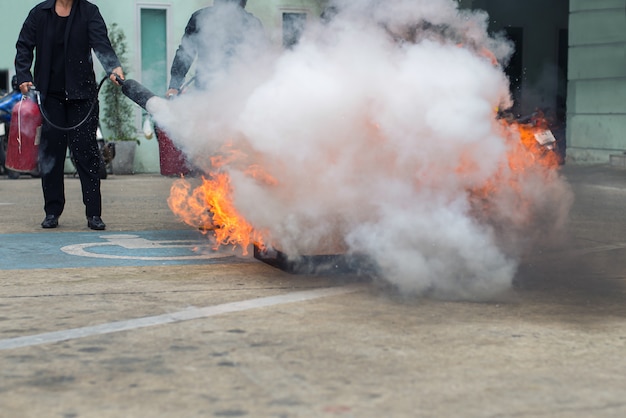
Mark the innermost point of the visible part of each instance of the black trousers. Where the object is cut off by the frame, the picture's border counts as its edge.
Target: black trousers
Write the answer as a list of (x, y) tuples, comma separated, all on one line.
[(83, 146)]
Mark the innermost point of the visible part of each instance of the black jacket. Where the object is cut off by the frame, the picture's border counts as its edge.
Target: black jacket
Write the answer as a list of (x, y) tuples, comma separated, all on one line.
[(213, 35), (85, 31)]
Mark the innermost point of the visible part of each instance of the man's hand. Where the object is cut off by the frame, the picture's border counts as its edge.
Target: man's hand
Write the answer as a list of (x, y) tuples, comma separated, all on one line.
[(171, 93), (25, 87), (117, 72)]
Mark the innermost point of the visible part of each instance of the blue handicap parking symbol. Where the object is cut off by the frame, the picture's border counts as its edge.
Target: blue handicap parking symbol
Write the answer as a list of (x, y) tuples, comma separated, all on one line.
[(68, 250)]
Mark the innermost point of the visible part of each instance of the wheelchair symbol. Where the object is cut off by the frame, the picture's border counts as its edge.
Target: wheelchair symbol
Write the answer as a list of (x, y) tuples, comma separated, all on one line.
[(175, 249)]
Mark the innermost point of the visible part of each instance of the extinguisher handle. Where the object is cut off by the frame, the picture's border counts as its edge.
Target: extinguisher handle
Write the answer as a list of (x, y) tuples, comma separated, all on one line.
[(33, 93), (119, 79)]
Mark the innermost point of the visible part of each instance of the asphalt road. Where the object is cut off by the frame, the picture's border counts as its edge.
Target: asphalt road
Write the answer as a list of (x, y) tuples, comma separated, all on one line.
[(145, 320)]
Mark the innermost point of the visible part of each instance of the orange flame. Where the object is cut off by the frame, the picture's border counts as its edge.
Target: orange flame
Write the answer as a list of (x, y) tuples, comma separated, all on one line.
[(535, 152), (525, 156), (210, 206)]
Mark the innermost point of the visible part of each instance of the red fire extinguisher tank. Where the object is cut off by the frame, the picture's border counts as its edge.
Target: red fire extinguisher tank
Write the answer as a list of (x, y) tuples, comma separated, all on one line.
[(24, 135), (172, 159)]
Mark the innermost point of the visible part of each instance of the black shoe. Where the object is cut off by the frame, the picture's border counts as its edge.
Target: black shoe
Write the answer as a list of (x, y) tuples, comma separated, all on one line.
[(95, 222), (51, 221)]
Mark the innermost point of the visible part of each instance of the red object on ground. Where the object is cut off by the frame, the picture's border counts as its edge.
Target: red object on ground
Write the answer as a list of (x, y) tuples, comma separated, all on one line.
[(172, 160), (24, 135)]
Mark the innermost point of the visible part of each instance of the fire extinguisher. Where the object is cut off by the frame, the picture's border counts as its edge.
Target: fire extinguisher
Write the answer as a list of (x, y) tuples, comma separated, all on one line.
[(27, 117), (25, 132), (24, 136)]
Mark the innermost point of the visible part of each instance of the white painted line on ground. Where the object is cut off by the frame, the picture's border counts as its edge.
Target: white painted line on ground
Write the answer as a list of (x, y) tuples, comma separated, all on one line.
[(186, 315), (577, 253)]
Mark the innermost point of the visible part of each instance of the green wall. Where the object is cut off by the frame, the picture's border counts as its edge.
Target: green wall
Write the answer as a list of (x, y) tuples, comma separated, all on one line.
[(597, 80), (10, 29)]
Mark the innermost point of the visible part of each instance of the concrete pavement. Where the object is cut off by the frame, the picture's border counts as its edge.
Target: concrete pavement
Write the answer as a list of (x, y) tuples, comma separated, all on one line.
[(121, 325)]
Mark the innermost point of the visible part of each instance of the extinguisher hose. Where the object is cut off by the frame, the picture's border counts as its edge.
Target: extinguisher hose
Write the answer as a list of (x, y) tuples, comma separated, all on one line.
[(79, 124), (19, 128)]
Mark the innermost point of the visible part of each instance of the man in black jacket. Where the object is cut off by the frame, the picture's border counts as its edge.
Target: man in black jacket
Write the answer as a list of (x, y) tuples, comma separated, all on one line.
[(63, 33), (214, 35)]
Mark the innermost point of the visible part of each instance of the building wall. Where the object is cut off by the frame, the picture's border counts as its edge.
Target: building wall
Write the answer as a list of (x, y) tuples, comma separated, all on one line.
[(597, 80)]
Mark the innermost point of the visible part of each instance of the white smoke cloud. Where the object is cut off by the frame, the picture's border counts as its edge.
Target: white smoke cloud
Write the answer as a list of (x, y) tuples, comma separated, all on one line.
[(377, 128)]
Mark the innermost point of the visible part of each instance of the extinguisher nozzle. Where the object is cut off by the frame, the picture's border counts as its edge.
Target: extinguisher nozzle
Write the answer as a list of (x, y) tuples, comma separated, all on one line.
[(137, 92)]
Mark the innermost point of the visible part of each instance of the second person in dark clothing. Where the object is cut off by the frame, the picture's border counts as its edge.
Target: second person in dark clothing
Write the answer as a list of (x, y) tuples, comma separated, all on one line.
[(213, 36), (62, 34)]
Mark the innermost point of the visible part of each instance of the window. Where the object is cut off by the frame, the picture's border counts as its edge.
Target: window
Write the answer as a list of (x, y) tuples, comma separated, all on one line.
[(154, 49), (293, 25)]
